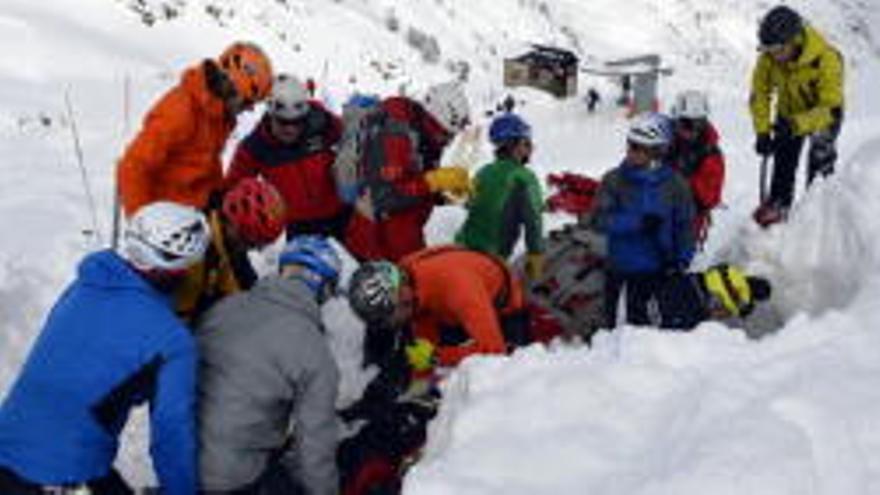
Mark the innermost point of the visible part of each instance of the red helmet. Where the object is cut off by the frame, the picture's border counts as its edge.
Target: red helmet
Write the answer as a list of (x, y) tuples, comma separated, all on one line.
[(257, 211)]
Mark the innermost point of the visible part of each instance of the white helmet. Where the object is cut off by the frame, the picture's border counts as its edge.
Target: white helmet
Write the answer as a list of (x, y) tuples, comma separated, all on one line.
[(166, 236), (650, 129), (690, 104), (289, 98), (448, 103)]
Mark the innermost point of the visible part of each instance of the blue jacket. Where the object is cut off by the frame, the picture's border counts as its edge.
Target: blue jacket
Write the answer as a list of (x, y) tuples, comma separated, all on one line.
[(110, 342), (626, 195)]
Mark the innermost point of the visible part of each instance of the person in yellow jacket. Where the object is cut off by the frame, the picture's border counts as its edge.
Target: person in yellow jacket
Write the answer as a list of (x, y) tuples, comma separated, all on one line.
[(802, 74), (251, 215)]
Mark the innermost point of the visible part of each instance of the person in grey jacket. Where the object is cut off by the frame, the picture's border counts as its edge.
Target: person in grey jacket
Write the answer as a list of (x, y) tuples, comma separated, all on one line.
[(268, 383)]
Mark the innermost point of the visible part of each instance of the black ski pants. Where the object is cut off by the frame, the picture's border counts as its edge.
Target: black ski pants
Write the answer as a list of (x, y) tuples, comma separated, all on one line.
[(641, 289), (820, 160)]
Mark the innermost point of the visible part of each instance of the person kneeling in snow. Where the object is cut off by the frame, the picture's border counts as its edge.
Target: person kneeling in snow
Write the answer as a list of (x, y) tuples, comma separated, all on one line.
[(723, 291), (268, 383), (458, 302), (111, 342)]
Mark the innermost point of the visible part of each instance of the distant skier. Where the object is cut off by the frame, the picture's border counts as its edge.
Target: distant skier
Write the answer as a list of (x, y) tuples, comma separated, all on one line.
[(268, 382), (111, 342), (400, 178), (292, 148), (507, 198), (592, 99), (646, 210), (803, 74), (176, 154), (696, 153)]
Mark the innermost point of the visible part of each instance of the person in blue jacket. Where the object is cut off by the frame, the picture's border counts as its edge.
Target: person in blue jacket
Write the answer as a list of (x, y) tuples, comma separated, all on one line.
[(111, 342), (646, 210)]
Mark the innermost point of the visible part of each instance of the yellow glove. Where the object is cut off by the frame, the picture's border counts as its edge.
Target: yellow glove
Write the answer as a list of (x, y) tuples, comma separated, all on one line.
[(534, 265), (452, 180), (420, 355)]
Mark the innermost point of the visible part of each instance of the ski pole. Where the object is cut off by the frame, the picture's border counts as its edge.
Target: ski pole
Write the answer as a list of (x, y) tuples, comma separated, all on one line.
[(84, 175), (764, 172)]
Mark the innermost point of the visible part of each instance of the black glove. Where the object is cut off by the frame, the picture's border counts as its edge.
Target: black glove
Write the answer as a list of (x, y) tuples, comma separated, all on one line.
[(764, 145), (782, 130), (651, 223)]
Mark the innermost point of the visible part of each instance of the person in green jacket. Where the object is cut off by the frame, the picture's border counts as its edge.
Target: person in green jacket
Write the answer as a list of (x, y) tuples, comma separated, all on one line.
[(508, 198), (797, 95)]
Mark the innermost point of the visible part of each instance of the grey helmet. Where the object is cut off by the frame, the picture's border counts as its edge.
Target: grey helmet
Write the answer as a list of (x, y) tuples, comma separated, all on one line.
[(373, 290)]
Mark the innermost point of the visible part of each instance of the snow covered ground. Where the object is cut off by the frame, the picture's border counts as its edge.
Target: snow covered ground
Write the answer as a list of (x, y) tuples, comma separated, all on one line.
[(641, 412)]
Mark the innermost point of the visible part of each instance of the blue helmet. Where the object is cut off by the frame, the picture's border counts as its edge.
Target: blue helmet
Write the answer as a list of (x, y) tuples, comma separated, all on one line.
[(318, 257), (508, 127)]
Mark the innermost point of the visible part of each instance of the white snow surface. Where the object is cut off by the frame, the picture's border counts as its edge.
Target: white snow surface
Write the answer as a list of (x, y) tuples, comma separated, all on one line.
[(641, 411)]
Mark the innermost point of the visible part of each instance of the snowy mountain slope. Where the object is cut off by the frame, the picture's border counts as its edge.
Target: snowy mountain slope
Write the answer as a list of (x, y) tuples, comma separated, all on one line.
[(93, 50)]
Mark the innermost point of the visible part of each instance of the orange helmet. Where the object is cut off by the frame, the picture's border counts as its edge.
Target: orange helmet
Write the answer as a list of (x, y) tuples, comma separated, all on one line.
[(249, 69)]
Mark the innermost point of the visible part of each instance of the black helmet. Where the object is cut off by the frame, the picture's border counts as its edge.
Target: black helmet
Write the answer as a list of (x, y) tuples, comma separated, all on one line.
[(779, 26), (373, 290)]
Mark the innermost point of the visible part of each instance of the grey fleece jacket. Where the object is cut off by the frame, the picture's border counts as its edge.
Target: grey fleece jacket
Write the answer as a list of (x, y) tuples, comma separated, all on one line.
[(266, 374)]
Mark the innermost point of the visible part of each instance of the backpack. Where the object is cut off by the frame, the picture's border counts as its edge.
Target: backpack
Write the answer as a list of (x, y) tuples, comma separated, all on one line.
[(357, 113)]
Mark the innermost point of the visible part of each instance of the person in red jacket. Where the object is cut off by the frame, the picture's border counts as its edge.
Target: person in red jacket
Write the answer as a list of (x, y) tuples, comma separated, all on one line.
[(695, 153), (399, 175), (176, 154), (292, 148)]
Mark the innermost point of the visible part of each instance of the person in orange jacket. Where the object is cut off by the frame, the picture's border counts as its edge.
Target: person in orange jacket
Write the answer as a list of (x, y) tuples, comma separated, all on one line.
[(176, 154), (458, 302)]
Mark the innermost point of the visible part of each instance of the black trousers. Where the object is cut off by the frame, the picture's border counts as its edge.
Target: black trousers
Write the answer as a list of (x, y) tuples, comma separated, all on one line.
[(820, 161), (641, 289), (112, 484)]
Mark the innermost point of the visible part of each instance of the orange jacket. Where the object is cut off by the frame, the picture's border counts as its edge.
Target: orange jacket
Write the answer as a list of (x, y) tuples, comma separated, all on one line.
[(176, 154), (456, 287)]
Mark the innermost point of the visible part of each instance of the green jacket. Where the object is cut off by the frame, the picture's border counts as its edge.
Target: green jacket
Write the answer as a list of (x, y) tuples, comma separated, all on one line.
[(809, 89), (508, 196)]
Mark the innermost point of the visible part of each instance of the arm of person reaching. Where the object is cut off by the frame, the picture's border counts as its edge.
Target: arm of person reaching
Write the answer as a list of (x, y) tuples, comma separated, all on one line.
[(473, 308), (169, 124), (684, 243), (172, 415), (531, 200), (311, 457)]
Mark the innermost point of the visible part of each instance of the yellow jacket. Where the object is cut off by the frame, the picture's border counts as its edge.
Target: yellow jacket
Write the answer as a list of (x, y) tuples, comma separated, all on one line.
[(808, 89), (211, 279)]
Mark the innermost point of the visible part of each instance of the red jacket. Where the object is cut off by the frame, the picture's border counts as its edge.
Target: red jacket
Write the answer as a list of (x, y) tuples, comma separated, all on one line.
[(410, 143), (702, 163), (176, 154), (302, 172)]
